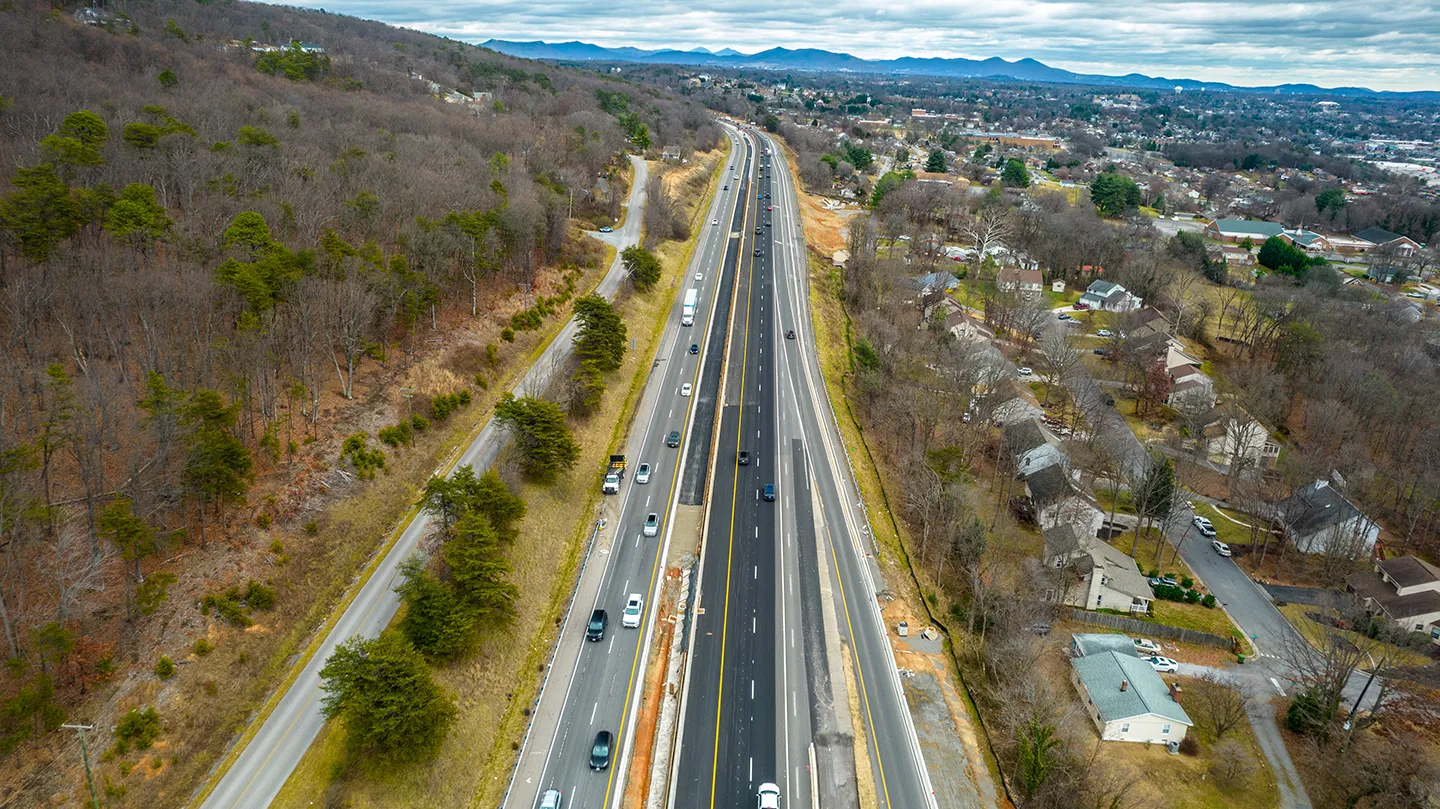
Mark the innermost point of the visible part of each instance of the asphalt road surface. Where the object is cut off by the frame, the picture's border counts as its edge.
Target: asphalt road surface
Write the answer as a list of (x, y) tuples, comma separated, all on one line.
[(759, 691), (595, 686), (265, 763)]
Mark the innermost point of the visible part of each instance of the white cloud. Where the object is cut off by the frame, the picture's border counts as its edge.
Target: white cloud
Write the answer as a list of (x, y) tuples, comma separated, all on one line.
[(1388, 45)]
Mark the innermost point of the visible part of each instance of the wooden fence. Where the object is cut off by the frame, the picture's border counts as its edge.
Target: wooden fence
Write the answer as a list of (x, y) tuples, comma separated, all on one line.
[(1151, 629)]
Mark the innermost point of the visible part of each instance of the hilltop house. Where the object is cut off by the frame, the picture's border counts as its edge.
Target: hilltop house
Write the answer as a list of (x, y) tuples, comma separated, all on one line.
[(1104, 296), (1319, 519), (1230, 434), (1127, 700), (1404, 590)]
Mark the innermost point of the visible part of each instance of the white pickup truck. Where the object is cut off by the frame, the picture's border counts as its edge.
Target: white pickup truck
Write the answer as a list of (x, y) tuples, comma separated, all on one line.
[(615, 474)]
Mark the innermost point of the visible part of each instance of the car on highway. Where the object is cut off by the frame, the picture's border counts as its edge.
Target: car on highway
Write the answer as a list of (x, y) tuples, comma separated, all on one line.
[(607, 229), (685, 389), (595, 630), (769, 797), (714, 221), (769, 492), (789, 334), (652, 524), (1104, 333), (1025, 370), (633, 607), (694, 348), (769, 207), (767, 223), (757, 230), (1205, 527), (1162, 664), (642, 475), (743, 458), (699, 276), (757, 251), (1146, 646), (550, 800), (1220, 547), (727, 188), (600, 751), (673, 440)]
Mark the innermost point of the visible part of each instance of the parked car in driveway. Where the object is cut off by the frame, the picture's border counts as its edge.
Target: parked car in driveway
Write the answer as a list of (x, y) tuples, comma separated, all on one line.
[(1220, 547), (1025, 370), (1064, 316), (1204, 526), (607, 229), (1146, 646), (1163, 581), (1104, 333), (1162, 664)]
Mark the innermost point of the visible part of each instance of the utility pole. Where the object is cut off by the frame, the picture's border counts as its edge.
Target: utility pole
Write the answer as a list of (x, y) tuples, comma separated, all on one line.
[(85, 756), (408, 393)]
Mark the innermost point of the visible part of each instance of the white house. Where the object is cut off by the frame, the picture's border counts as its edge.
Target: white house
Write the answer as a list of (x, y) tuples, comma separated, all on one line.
[(1027, 283), (1104, 296), (1127, 700), (1319, 519), (1230, 435), (1405, 590), (1104, 577)]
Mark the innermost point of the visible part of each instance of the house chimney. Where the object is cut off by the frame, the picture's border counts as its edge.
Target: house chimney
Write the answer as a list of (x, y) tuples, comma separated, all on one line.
[(1124, 685), (1175, 692)]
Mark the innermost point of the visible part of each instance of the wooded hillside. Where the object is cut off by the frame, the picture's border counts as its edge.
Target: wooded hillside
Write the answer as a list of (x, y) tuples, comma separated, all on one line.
[(214, 244)]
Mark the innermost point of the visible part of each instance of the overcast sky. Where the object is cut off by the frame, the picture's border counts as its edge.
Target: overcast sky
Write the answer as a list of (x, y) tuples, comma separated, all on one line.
[(1383, 44)]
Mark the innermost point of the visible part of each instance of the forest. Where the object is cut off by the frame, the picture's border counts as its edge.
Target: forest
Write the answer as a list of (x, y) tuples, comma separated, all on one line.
[(219, 251)]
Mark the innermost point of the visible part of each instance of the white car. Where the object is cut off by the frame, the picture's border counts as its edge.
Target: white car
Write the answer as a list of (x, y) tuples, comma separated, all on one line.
[(769, 797), (1162, 664), (1104, 333), (630, 619), (550, 800), (1025, 370), (642, 475), (685, 389), (714, 221), (652, 524), (1205, 527), (1220, 548), (699, 276)]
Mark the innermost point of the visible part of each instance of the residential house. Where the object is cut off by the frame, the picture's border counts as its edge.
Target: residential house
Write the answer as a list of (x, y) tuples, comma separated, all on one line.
[(1386, 274), (1058, 286), (1230, 434), (1237, 256), (942, 281), (1104, 296), (1319, 519), (1381, 239), (1405, 590), (1190, 389), (94, 16), (1308, 241), (1147, 321), (670, 154), (1083, 644), (1027, 283), (1032, 447), (1127, 700), (1104, 576), (967, 328)]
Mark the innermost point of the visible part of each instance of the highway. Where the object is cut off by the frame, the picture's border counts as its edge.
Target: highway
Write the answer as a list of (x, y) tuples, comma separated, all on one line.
[(760, 688), (264, 764), (595, 686)]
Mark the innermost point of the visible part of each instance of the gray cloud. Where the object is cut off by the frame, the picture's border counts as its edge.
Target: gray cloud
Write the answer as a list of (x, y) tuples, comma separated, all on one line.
[(1388, 45)]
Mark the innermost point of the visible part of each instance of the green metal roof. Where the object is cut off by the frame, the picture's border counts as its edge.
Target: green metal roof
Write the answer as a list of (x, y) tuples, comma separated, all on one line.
[(1102, 673)]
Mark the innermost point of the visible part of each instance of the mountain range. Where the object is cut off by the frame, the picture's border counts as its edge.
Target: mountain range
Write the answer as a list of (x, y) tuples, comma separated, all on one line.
[(812, 59)]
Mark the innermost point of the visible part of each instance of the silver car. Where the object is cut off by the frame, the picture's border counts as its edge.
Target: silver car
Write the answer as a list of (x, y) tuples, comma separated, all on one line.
[(550, 800)]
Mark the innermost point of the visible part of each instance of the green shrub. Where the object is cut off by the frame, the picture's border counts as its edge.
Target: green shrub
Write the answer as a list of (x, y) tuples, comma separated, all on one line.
[(507, 334), (138, 729), (481, 382), (1187, 582), (1192, 596), (164, 668), (262, 520), (365, 460), (203, 647), (259, 597), (395, 435), (1208, 601), (312, 528), (153, 592), (277, 547), (419, 423), (1305, 714), (226, 605)]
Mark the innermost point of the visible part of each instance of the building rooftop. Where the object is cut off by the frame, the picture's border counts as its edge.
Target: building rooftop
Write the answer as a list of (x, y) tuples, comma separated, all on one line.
[(1089, 643), (1369, 585), (1408, 571), (1145, 693)]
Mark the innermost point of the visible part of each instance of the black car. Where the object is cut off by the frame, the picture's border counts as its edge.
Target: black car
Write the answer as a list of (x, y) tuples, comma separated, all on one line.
[(744, 458), (757, 251), (790, 334), (769, 492), (673, 440), (694, 348), (600, 751), (596, 628)]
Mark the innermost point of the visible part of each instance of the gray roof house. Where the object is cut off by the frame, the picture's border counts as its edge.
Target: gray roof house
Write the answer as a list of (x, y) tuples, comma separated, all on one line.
[(1380, 237), (1127, 700), (1107, 297), (1406, 590), (1089, 643), (1319, 519), (935, 281)]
